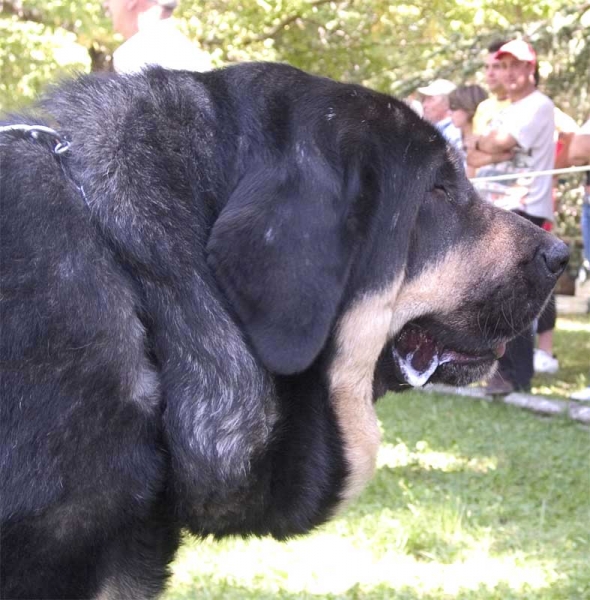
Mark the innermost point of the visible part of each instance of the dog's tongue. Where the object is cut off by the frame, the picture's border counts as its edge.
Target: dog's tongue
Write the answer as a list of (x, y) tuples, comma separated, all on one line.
[(417, 355)]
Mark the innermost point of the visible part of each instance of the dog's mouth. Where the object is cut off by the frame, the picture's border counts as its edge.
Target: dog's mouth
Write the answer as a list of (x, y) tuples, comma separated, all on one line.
[(417, 355)]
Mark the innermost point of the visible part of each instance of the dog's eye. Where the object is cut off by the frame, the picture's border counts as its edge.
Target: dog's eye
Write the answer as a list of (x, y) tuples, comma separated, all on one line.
[(441, 192)]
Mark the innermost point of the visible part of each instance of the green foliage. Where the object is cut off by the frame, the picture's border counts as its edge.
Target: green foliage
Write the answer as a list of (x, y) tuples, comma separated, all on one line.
[(391, 46), (571, 344), (45, 41), (31, 55)]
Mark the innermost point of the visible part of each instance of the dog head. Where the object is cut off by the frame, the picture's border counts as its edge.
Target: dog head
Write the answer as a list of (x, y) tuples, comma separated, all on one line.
[(356, 230), (354, 238)]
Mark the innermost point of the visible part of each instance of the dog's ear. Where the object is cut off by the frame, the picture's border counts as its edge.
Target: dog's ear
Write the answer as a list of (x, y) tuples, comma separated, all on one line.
[(281, 251)]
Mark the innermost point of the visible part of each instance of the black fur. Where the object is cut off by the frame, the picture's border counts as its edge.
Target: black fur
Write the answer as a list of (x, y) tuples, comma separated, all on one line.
[(168, 332)]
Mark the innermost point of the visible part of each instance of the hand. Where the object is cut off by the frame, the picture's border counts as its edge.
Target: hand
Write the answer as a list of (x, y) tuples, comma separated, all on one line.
[(470, 142)]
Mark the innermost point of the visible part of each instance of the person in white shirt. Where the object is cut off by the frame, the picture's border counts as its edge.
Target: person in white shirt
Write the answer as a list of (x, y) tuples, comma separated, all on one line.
[(525, 129), (152, 37)]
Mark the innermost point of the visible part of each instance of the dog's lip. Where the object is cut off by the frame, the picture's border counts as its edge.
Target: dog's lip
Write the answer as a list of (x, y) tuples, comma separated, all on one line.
[(499, 350), (495, 352), (417, 354)]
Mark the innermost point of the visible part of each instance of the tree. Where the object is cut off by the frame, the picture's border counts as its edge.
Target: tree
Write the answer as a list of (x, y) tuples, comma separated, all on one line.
[(391, 46)]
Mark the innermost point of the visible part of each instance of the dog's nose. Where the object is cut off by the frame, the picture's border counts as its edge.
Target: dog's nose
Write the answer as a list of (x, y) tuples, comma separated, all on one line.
[(556, 256)]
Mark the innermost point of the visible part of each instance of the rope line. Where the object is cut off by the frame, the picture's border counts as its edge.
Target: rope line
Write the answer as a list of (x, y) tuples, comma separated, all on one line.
[(508, 176)]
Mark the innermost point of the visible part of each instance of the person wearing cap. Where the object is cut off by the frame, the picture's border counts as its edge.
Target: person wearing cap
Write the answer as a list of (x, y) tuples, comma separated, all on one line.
[(525, 129), (435, 103), (152, 37), (497, 100), (544, 360)]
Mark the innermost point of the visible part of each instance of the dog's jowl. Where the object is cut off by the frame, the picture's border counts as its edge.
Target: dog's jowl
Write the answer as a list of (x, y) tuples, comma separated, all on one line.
[(207, 281)]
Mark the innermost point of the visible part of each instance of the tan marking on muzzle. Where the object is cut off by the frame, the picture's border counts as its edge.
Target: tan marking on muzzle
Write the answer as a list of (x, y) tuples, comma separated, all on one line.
[(441, 288), (372, 321)]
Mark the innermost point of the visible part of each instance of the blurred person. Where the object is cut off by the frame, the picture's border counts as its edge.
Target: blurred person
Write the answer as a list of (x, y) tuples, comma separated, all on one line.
[(579, 154), (544, 360), (525, 128), (435, 105), (565, 130), (498, 99), (152, 37), (414, 103), (463, 102)]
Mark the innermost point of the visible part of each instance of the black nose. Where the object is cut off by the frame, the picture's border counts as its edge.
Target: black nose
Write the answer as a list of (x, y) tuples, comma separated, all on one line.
[(556, 256)]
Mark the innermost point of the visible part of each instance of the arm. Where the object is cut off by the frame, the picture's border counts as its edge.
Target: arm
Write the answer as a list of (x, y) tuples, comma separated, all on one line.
[(480, 155), (477, 158), (579, 151), (495, 142), (562, 158)]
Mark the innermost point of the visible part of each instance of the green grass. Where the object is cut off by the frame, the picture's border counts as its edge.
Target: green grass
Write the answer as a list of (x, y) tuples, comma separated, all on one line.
[(471, 501), (571, 344)]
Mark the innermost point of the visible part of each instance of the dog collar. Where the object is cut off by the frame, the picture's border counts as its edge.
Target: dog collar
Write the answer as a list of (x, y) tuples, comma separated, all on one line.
[(59, 145), (38, 132)]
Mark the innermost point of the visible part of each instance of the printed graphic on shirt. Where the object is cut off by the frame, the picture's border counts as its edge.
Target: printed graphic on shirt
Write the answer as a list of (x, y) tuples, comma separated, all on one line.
[(509, 194), (530, 121)]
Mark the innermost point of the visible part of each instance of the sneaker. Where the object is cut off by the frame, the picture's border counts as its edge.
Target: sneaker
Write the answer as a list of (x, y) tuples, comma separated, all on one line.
[(543, 362), (582, 395)]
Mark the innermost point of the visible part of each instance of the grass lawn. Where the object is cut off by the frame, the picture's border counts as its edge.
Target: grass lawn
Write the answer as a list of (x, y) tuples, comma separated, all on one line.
[(471, 500), (571, 344)]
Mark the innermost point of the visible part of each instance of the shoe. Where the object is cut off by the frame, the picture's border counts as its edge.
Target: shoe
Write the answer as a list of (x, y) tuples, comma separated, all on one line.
[(582, 395), (498, 386), (543, 362)]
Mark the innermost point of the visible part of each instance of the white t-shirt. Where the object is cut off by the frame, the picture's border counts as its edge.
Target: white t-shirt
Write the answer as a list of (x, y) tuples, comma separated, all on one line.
[(160, 44), (531, 122)]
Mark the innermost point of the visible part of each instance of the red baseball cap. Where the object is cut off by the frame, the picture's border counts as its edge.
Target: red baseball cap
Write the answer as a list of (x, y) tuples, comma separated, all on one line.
[(520, 49)]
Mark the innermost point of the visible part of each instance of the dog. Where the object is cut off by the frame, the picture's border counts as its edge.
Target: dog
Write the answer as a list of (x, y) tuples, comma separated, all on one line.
[(207, 281)]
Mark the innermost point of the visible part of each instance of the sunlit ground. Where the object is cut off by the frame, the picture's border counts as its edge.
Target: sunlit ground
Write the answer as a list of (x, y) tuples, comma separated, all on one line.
[(420, 550), (582, 324), (471, 501), (330, 564), (572, 348)]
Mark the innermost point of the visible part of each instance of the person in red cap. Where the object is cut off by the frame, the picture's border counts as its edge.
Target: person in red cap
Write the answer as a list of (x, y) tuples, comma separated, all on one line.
[(525, 129)]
